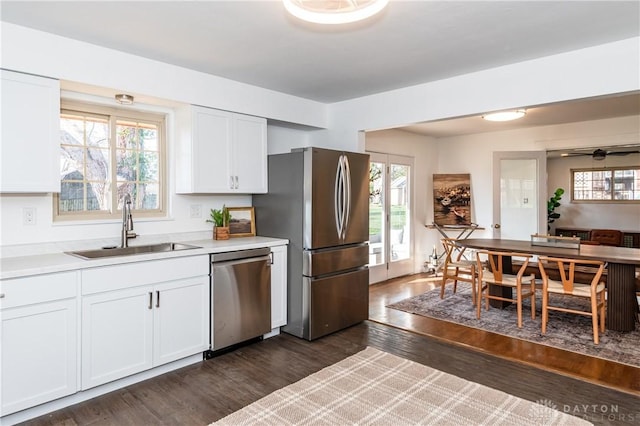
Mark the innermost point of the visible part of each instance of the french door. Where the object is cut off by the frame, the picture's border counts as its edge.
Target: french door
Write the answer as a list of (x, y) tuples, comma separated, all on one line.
[(390, 216), (519, 194)]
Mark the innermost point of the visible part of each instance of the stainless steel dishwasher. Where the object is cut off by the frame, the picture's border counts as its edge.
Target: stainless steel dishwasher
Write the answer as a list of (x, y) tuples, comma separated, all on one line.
[(241, 296)]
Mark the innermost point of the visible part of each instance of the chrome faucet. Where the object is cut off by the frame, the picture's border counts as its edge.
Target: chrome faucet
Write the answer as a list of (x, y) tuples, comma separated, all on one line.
[(127, 222)]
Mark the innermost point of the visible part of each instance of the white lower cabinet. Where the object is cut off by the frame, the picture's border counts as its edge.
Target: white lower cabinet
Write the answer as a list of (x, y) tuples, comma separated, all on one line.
[(107, 323), (181, 319), (129, 330), (278, 286), (39, 340), (117, 328)]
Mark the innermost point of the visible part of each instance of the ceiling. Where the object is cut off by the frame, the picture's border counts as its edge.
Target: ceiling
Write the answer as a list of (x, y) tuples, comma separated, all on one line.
[(543, 115), (411, 42)]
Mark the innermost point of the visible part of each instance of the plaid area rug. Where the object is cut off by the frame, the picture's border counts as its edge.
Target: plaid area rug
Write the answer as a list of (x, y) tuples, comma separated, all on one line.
[(564, 331), (374, 387)]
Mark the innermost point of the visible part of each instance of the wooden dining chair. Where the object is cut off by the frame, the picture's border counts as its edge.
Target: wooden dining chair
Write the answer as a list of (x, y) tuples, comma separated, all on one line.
[(457, 268), (494, 272), (595, 291)]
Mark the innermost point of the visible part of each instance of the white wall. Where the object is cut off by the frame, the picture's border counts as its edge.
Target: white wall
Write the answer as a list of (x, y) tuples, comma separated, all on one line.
[(282, 139), (424, 151), (625, 217), (14, 232), (41, 53), (600, 70)]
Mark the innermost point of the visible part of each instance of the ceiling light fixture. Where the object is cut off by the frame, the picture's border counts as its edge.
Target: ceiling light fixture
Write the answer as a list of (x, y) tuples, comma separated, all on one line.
[(334, 11), (124, 99), (505, 115)]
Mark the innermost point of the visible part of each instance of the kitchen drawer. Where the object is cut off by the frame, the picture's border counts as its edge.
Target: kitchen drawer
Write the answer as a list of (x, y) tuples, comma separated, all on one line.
[(107, 278), (37, 289)]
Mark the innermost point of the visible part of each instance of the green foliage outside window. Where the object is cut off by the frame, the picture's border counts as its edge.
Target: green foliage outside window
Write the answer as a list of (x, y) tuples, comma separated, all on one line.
[(398, 218)]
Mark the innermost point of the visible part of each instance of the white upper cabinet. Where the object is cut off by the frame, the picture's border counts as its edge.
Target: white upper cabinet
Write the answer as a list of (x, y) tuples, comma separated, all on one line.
[(203, 152), (30, 123), (249, 154), (220, 152)]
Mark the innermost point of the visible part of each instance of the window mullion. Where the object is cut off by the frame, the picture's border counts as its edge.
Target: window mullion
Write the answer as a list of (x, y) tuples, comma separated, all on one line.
[(85, 158), (113, 185)]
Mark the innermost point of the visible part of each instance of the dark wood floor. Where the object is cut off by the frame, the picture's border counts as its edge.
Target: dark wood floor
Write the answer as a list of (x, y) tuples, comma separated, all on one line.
[(205, 392)]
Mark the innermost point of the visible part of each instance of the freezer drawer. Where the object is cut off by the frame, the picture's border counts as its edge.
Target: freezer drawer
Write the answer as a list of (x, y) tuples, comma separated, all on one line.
[(322, 262), (337, 302)]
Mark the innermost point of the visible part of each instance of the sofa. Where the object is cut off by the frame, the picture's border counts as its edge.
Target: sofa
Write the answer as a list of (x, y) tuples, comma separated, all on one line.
[(609, 237), (605, 237)]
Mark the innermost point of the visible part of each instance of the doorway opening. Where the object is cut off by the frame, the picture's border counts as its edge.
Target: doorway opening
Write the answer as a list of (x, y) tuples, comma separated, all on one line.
[(390, 216)]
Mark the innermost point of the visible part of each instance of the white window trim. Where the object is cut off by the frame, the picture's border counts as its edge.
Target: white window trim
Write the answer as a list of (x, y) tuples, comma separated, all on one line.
[(97, 105)]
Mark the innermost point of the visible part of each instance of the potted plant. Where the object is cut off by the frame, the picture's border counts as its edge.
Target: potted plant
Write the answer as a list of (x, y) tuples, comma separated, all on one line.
[(552, 204), (220, 219)]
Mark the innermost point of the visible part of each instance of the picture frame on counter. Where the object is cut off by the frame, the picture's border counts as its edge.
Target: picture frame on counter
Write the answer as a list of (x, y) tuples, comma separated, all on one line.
[(242, 222)]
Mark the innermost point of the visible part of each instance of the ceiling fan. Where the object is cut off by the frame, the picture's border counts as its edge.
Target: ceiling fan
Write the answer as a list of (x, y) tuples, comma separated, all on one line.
[(600, 154)]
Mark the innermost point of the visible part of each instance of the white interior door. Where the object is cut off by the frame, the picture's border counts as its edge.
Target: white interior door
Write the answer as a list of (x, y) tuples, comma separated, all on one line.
[(390, 216), (519, 194)]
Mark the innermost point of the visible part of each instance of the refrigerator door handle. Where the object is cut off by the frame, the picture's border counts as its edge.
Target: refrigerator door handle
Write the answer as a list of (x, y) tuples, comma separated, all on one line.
[(347, 189), (337, 205)]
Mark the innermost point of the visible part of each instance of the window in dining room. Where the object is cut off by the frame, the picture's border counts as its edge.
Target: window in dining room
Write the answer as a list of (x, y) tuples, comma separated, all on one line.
[(606, 185)]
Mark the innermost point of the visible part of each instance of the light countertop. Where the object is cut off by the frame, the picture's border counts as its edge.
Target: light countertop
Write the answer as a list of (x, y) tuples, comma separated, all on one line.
[(22, 266)]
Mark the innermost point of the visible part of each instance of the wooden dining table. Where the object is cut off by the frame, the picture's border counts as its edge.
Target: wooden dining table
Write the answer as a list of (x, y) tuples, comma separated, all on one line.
[(622, 305)]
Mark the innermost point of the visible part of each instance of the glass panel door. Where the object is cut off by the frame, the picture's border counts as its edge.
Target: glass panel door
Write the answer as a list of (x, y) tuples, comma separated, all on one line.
[(377, 216), (519, 195), (399, 207), (390, 216)]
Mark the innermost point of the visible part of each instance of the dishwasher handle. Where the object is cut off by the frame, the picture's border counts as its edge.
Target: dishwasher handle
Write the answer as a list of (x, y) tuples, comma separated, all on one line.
[(239, 254), (221, 265)]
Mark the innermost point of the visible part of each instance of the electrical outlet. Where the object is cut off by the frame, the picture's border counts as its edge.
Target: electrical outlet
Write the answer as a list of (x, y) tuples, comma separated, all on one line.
[(196, 211), (29, 216)]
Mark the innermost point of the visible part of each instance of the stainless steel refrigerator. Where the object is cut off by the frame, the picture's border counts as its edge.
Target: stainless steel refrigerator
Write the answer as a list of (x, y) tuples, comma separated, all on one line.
[(319, 200)]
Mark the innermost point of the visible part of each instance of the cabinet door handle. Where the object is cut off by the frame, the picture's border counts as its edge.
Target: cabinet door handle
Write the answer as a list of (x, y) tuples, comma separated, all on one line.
[(271, 256), (236, 185), (230, 182), (157, 298), (150, 300), (1, 295)]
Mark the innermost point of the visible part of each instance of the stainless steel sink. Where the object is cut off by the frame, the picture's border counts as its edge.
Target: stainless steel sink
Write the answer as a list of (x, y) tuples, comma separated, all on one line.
[(128, 251)]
